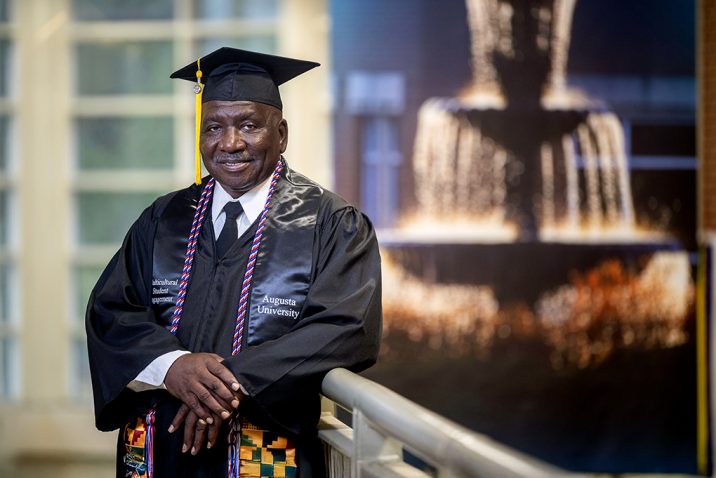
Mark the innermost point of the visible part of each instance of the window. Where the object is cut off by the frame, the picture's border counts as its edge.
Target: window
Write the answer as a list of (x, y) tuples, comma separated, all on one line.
[(133, 126), (380, 162), (91, 131), (378, 98), (8, 306), (108, 10)]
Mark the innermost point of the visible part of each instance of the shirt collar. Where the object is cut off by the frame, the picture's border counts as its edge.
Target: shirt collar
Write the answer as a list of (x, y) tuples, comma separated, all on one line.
[(252, 201)]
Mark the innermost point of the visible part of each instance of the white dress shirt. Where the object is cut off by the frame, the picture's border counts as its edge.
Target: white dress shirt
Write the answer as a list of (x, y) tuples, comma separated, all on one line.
[(252, 202)]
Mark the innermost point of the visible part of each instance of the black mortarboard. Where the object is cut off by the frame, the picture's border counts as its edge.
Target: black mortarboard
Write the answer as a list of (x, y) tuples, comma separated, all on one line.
[(230, 74)]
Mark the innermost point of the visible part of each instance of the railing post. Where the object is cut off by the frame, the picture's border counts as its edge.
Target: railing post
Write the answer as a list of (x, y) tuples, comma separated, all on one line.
[(369, 446), (328, 406)]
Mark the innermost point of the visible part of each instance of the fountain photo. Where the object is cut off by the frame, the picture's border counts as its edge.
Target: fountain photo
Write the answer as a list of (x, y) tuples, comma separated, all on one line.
[(530, 167)]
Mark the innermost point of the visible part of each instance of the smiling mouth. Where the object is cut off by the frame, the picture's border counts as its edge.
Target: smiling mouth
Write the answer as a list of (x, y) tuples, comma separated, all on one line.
[(234, 163), (234, 166)]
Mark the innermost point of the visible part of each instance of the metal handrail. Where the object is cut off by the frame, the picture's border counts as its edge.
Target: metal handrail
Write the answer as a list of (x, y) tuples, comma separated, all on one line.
[(383, 414)]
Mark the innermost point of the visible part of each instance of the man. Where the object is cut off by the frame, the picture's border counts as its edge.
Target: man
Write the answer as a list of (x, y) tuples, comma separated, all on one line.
[(211, 329)]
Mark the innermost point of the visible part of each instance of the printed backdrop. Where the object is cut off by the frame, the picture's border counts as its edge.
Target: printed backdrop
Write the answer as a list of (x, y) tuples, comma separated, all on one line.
[(530, 167)]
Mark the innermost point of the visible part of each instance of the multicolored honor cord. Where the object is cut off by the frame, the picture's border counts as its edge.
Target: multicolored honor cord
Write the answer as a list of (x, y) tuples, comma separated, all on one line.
[(234, 425), (196, 225), (149, 442)]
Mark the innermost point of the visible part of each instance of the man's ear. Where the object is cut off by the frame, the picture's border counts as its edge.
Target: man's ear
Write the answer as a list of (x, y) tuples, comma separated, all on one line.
[(283, 134)]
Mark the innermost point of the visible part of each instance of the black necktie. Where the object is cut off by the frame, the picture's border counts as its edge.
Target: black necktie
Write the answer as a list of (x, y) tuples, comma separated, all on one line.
[(230, 232)]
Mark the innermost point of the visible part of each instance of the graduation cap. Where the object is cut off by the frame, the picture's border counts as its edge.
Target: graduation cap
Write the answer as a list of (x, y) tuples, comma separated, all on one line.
[(231, 74)]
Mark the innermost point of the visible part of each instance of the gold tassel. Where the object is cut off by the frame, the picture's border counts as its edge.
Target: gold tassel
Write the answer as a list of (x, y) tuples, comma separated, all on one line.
[(199, 90)]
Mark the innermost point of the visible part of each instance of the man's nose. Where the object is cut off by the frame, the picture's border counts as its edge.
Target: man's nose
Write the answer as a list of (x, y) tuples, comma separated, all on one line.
[(232, 141)]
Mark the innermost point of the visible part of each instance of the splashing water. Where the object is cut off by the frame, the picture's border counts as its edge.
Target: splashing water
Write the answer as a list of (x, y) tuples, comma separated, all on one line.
[(458, 170), (607, 198), (462, 171)]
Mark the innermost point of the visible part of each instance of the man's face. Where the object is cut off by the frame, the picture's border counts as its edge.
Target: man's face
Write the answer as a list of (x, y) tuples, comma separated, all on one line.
[(241, 141)]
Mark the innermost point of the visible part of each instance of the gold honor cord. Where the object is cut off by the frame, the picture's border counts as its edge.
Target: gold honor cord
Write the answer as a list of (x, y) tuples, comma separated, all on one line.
[(199, 90), (702, 377)]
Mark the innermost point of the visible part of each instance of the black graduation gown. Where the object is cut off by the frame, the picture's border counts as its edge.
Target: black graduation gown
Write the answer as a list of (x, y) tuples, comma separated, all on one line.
[(339, 326)]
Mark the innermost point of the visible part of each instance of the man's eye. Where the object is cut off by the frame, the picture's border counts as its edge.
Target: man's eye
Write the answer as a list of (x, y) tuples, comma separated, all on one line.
[(213, 127), (249, 126)]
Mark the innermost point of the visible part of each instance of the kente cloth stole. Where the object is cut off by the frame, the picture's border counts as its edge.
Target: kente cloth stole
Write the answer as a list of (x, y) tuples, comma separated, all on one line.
[(282, 271), (262, 453)]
